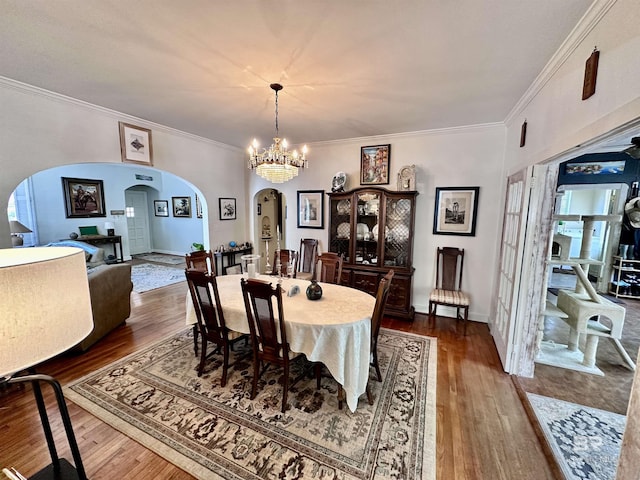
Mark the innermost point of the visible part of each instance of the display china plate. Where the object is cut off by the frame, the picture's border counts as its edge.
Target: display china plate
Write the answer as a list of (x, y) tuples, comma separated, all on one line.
[(343, 207)]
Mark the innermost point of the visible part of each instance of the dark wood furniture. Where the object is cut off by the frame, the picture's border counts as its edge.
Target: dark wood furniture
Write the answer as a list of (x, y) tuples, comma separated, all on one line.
[(373, 229), (228, 259), (268, 337), (330, 269), (202, 260), (115, 240), (210, 318), (307, 256), (448, 288), (286, 257), (376, 318)]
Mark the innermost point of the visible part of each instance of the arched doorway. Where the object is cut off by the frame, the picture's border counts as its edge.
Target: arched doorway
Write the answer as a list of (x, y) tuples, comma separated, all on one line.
[(269, 209)]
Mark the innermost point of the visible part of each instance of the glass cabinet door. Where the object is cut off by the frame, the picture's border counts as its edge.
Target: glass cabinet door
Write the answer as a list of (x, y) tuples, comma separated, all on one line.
[(340, 234), (397, 231), (366, 232)]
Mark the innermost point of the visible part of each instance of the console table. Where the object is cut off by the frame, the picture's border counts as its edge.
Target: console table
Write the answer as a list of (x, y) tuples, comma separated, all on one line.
[(230, 256), (115, 240)]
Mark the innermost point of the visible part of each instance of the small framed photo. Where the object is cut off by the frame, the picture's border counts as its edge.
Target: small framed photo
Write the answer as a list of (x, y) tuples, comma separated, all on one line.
[(227, 208), (135, 144), (83, 198), (181, 206), (161, 208), (198, 207), (310, 208), (374, 165), (456, 210)]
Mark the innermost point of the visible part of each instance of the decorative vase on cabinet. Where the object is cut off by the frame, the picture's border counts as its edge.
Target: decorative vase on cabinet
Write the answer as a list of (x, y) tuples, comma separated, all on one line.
[(372, 228)]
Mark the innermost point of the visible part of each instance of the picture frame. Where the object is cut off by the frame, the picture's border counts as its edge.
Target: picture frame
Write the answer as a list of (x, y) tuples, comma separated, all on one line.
[(374, 164), (615, 167), (161, 208), (310, 208), (135, 144), (456, 209), (83, 197), (181, 206), (227, 208), (590, 75), (198, 207)]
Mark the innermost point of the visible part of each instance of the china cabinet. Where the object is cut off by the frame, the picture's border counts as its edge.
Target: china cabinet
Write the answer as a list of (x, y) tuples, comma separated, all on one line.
[(373, 228), (625, 279)]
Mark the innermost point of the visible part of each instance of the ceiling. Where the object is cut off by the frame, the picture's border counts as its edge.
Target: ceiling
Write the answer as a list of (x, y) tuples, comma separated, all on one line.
[(350, 68)]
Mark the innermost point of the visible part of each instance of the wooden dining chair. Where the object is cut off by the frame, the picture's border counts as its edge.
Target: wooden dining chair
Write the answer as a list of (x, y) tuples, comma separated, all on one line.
[(448, 287), (307, 258), (330, 268), (286, 257), (376, 318), (206, 302), (200, 260), (268, 333)]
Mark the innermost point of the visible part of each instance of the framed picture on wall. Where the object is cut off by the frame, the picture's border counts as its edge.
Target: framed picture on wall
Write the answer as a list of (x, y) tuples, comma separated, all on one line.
[(374, 165), (161, 208), (181, 206), (227, 208), (198, 207), (456, 210), (310, 208), (135, 144), (83, 197)]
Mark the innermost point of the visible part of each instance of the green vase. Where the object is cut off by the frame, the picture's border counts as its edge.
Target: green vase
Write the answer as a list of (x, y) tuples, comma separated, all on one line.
[(314, 291)]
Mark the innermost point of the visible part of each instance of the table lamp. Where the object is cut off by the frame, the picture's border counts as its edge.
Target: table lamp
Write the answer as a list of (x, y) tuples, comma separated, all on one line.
[(17, 229), (45, 309)]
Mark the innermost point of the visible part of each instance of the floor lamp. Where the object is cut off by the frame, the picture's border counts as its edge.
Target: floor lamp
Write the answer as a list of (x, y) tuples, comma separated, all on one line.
[(45, 309)]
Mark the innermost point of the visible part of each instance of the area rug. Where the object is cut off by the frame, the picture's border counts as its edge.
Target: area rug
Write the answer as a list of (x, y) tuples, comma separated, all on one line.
[(161, 258), (156, 398), (149, 276), (585, 441)]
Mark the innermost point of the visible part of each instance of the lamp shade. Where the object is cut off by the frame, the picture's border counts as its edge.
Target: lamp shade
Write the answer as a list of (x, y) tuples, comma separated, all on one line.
[(45, 307), (16, 227)]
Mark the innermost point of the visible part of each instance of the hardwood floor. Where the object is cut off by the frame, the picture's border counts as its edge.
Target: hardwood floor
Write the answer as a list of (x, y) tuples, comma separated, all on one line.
[(482, 429)]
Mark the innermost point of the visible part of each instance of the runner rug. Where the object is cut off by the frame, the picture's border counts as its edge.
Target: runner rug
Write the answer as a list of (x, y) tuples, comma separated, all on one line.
[(148, 276), (156, 398), (161, 258), (585, 441)]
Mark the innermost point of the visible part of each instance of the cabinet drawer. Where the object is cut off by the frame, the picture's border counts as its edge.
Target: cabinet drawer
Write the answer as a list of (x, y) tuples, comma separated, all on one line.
[(366, 281)]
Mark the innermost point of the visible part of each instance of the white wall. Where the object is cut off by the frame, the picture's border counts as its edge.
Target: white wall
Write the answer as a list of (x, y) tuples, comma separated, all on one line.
[(40, 130), (468, 156)]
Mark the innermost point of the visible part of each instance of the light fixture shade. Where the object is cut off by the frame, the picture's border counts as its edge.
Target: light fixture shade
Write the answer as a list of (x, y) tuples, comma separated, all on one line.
[(45, 307), (16, 227)]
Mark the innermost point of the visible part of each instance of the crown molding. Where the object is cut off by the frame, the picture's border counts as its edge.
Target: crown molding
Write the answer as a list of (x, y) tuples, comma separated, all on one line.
[(587, 23), (119, 116)]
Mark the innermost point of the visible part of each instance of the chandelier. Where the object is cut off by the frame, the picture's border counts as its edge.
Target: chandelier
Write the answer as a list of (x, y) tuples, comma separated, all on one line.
[(276, 163)]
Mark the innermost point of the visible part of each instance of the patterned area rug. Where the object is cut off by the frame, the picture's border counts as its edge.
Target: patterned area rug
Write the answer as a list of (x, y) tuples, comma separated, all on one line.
[(161, 258), (148, 276), (156, 398), (585, 441)]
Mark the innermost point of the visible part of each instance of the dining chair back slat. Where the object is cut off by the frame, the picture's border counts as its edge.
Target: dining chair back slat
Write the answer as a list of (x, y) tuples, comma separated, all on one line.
[(330, 268), (202, 260)]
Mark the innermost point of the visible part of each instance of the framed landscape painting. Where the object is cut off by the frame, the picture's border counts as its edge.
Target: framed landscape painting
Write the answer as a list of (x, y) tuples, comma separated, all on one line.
[(83, 197), (374, 165), (181, 206), (455, 212), (227, 208), (161, 208)]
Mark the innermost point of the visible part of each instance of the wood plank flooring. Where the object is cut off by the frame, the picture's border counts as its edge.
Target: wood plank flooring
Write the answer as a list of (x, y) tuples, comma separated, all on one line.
[(482, 429)]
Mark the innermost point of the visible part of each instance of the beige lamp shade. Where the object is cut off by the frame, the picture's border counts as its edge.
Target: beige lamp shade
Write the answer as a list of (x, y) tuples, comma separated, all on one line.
[(45, 307)]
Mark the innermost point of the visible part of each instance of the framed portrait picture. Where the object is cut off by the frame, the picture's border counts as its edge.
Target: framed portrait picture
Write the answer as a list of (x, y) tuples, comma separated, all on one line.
[(456, 210), (227, 208), (198, 207), (374, 165), (161, 208), (135, 144), (310, 208), (83, 197), (181, 206)]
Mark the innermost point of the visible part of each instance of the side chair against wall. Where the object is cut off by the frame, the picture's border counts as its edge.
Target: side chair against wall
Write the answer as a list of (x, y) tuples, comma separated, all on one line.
[(448, 287), (268, 335), (329, 269), (206, 302), (200, 260), (286, 257), (307, 258)]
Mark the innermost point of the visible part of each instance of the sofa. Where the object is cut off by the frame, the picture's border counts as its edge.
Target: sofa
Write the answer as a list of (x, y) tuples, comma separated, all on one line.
[(110, 288)]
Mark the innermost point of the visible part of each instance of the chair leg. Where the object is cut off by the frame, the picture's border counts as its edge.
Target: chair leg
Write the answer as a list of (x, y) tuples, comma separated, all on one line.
[(375, 363), (256, 370), (369, 395), (340, 396), (466, 318), (225, 364), (195, 339), (285, 387), (318, 371), (203, 356)]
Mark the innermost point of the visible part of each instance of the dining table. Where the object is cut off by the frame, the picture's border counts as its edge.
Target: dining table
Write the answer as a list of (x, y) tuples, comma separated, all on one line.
[(334, 330)]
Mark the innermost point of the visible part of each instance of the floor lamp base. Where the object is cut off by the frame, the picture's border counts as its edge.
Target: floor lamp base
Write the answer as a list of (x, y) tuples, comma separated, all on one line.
[(66, 472)]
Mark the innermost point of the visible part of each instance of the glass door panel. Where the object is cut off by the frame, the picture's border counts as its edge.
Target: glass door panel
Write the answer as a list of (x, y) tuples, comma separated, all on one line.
[(366, 232), (340, 234), (397, 232)]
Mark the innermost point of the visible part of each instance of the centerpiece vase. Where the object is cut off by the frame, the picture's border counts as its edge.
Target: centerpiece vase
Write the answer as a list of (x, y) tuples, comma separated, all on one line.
[(314, 291)]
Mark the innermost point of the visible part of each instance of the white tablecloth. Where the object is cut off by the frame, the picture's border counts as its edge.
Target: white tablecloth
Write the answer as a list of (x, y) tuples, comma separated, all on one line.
[(335, 330)]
